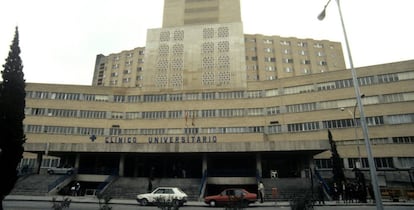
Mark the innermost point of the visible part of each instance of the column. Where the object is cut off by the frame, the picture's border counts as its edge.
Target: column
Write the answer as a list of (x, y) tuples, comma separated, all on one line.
[(121, 165), (204, 164), (259, 165), (39, 160), (77, 161)]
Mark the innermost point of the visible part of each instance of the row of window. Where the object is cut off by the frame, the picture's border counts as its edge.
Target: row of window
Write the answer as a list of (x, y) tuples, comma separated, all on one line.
[(295, 127), (384, 162), (369, 80), (288, 43), (241, 112)]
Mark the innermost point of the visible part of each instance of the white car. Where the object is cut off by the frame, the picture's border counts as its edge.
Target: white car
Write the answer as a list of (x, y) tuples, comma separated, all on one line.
[(169, 194), (56, 170)]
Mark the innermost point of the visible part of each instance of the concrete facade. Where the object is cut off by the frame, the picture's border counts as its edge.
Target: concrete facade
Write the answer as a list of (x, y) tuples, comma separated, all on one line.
[(205, 98)]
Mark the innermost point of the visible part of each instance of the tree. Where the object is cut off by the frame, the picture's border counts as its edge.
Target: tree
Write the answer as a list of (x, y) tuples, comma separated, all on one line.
[(337, 164), (12, 104)]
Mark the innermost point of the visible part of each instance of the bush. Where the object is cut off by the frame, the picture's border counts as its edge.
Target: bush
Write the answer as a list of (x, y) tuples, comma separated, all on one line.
[(59, 205), (301, 202), (104, 201)]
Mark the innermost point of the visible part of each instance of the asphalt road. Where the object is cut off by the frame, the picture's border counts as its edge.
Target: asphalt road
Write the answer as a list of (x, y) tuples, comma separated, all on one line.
[(42, 205)]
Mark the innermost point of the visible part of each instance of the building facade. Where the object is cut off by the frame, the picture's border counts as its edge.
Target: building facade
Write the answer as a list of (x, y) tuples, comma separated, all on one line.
[(225, 107)]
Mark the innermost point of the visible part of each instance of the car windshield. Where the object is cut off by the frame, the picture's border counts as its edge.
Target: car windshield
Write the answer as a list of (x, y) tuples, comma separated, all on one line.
[(179, 190)]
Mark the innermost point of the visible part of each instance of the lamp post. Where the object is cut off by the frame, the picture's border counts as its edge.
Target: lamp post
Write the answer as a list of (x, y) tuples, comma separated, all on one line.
[(364, 126), (353, 114), (356, 132)]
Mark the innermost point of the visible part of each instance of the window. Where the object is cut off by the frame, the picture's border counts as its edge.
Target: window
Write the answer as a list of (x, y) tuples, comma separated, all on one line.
[(208, 96), (386, 78), (273, 110), (400, 119), (306, 62), (403, 140), (132, 115), (34, 129), (175, 114), (298, 127), (255, 112), (274, 129), (284, 42), (268, 41), (318, 45), (384, 162), (230, 112), (323, 163), (38, 111), (406, 162), (288, 69), (299, 89), (92, 114), (61, 113), (302, 44), (323, 63), (128, 63), (208, 113)]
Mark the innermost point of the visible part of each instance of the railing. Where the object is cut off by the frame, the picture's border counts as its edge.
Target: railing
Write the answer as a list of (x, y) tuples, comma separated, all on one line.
[(102, 185), (203, 185), (54, 184)]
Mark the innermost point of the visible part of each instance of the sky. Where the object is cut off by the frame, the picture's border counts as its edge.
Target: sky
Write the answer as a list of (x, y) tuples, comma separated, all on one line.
[(60, 39)]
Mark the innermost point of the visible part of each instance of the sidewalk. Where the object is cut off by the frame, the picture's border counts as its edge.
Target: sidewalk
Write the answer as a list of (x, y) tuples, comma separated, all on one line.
[(93, 199)]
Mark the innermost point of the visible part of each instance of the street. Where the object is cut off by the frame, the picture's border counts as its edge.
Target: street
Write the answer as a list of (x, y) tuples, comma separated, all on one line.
[(41, 205)]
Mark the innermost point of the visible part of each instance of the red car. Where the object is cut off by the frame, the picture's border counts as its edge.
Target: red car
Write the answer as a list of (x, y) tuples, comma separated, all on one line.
[(231, 195)]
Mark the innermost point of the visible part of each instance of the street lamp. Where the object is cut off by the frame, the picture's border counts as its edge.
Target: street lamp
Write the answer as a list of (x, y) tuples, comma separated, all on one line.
[(364, 126), (353, 114), (356, 132)]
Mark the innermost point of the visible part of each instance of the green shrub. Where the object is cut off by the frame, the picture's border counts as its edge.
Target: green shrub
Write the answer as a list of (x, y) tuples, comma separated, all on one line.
[(59, 205)]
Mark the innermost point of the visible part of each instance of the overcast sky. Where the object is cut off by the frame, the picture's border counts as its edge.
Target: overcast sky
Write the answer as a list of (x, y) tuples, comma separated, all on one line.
[(60, 39)]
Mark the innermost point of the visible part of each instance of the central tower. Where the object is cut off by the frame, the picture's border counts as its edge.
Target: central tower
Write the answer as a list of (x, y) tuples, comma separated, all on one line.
[(201, 46)]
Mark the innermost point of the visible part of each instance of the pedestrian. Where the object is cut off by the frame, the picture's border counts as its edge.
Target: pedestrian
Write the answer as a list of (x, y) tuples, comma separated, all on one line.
[(321, 194), (77, 189), (261, 191)]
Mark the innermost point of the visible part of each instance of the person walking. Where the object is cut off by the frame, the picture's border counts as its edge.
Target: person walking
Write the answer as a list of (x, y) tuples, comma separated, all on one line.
[(321, 194), (261, 191)]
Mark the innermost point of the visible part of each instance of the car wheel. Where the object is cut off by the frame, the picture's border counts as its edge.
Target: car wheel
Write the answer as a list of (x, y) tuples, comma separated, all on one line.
[(212, 203), (144, 202)]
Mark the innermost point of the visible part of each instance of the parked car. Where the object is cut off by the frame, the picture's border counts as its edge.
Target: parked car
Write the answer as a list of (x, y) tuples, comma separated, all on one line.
[(63, 170), (231, 195), (172, 194)]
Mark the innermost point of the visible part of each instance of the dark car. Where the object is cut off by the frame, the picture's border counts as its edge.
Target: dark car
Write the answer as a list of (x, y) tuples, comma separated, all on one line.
[(231, 195)]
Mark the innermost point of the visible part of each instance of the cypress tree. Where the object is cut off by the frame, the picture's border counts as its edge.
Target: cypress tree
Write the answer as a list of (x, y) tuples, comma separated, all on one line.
[(12, 104), (337, 164)]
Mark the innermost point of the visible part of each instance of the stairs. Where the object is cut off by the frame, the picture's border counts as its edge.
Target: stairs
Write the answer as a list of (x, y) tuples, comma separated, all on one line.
[(34, 184)]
